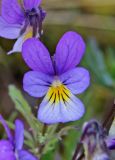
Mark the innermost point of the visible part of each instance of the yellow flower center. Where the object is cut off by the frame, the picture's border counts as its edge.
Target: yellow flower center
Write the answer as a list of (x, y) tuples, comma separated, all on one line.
[(28, 33), (58, 93)]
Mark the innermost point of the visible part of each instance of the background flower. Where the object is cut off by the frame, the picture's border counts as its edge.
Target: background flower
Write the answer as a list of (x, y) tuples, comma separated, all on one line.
[(58, 79), (21, 21), (93, 144), (11, 149)]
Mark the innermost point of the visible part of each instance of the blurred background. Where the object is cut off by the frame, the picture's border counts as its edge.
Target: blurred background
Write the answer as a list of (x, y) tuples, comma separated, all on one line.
[(95, 21)]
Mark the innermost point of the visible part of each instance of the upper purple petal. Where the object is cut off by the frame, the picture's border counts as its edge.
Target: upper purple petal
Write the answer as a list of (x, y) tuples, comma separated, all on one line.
[(10, 31), (24, 155), (69, 52), (10, 137), (12, 12), (36, 83), (6, 150), (76, 80), (19, 134), (37, 56), (29, 4)]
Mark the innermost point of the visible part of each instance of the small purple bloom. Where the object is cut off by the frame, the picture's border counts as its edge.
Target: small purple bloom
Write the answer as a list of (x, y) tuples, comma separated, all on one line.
[(21, 20), (57, 78), (11, 149)]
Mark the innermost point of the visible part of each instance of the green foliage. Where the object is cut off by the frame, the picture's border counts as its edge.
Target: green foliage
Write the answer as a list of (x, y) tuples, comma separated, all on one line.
[(94, 59), (24, 108)]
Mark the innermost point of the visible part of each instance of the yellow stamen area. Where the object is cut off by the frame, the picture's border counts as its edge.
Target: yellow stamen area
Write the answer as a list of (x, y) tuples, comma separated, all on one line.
[(28, 33), (58, 93)]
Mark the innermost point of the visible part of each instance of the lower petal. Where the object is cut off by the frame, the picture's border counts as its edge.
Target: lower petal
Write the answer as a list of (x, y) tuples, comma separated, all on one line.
[(10, 31), (60, 106)]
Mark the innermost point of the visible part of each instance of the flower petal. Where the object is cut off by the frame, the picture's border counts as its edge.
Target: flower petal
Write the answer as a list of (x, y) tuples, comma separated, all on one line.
[(69, 51), (6, 150), (24, 155), (12, 12), (29, 4), (10, 31), (110, 143), (60, 105), (7, 129), (36, 83), (37, 56), (19, 134), (76, 80), (17, 46)]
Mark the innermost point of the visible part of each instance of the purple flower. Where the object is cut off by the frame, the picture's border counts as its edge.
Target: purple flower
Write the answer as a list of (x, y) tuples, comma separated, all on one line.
[(11, 149), (57, 78), (21, 21)]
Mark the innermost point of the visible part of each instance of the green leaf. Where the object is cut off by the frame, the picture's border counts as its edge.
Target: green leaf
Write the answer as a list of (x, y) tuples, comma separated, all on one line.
[(95, 61), (25, 109), (50, 145)]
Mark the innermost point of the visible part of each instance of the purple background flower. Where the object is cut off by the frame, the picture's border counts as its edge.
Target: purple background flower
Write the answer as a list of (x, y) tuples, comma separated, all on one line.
[(11, 149), (21, 21), (57, 78)]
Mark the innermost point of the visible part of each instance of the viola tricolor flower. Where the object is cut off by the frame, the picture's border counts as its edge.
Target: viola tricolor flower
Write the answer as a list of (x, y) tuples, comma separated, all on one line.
[(57, 78), (11, 149), (21, 19)]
